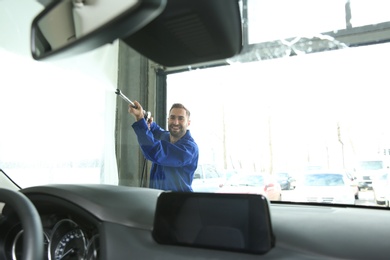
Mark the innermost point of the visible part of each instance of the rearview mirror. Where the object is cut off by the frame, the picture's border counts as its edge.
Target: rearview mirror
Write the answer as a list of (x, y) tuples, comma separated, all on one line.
[(68, 27)]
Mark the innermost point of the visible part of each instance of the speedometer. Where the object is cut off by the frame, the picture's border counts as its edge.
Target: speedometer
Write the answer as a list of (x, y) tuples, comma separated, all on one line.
[(71, 246), (67, 242)]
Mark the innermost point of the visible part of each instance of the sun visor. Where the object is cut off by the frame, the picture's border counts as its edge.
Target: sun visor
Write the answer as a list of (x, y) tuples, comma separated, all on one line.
[(189, 32), (232, 222)]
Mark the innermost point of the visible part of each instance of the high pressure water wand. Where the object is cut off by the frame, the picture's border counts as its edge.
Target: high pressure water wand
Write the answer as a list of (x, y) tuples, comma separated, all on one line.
[(147, 115)]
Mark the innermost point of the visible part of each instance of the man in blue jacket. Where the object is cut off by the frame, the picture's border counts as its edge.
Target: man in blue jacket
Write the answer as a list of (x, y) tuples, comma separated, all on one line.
[(174, 153)]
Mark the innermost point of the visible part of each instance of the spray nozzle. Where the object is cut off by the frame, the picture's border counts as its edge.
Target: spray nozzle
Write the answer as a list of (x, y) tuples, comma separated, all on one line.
[(147, 114)]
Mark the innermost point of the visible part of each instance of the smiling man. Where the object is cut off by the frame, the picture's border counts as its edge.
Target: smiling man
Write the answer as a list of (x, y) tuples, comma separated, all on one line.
[(174, 154)]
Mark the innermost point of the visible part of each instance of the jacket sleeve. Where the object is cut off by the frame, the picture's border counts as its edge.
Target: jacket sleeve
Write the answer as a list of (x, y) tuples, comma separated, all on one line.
[(163, 152), (157, 131)]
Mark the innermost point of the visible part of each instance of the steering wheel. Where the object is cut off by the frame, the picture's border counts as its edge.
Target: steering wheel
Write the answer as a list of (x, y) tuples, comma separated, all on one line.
[(32, 227)]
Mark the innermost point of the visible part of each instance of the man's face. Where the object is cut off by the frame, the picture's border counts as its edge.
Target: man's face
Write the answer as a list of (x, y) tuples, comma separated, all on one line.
[(178, 122)]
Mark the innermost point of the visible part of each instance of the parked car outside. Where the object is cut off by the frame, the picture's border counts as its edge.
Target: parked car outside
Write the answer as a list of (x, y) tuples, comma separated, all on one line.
[(207, 178), (381, 189), (325, 187), (367, 171), (253, 183), (286, 181)]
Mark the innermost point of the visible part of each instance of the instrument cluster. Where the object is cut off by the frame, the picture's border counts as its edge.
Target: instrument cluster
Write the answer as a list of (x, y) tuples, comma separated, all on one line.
[(66, 239)]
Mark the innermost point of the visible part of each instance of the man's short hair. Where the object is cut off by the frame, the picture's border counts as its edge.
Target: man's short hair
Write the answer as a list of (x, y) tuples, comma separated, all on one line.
[(178, 105)]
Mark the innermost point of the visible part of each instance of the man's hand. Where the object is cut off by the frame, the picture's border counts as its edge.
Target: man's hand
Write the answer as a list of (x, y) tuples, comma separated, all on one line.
[(137, 111), (150, 121)]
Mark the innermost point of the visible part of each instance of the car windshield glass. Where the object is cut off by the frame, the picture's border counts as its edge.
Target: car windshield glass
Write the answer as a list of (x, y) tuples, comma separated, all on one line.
[(308, 92), (323, 180), (371, 165), (246, 180), (282, 176)]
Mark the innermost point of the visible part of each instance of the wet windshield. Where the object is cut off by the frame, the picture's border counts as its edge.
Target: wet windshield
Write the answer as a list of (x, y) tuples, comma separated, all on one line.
[(305, 94)]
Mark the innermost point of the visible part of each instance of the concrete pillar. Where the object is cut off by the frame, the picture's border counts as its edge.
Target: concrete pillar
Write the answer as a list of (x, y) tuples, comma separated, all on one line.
[(136, 80)]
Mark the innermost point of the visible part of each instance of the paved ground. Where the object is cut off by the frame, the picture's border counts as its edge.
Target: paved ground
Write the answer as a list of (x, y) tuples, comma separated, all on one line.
[(366, 198)]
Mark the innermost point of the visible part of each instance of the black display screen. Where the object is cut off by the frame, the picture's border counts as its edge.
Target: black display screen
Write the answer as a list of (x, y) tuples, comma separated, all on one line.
[(234, 222)]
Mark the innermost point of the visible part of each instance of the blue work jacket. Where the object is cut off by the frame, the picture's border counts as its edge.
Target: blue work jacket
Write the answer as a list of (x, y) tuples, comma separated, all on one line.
[(173, 164)]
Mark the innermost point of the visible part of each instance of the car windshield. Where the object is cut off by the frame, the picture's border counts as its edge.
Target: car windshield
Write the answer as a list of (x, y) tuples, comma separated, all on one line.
[(246, 180), (308, 91), (282, 176), (383, 177), (323, 180)]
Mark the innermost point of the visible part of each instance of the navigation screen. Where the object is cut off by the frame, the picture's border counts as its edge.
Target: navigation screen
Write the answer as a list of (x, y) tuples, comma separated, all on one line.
[(234, 222)]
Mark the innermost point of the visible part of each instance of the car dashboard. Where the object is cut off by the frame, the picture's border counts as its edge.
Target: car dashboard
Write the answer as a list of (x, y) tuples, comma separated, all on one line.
[(77, 219), (116, 222)]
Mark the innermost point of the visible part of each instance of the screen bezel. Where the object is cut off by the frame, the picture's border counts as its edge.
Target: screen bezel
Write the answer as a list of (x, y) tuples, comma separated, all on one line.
[(181, 218)]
